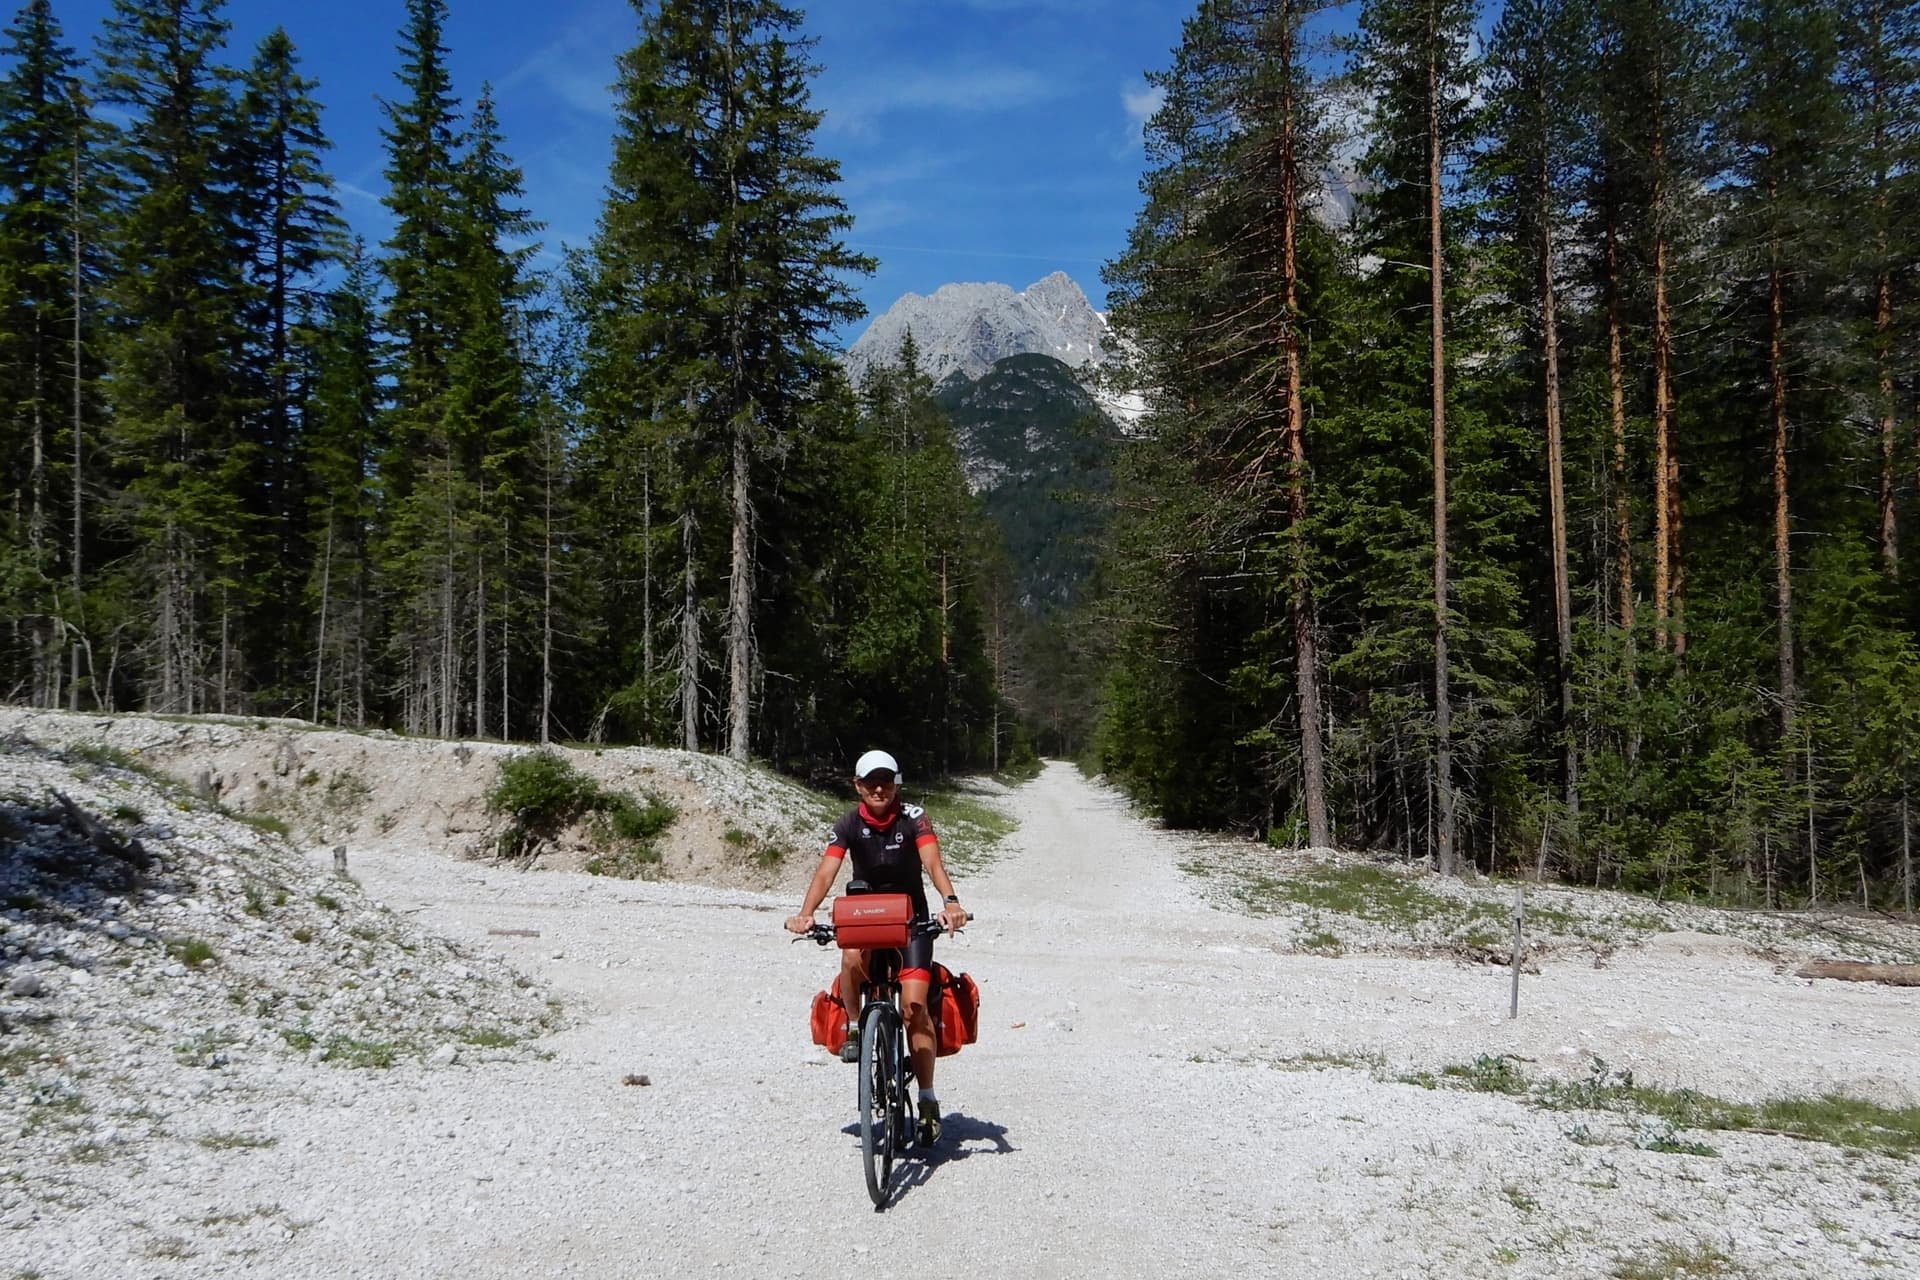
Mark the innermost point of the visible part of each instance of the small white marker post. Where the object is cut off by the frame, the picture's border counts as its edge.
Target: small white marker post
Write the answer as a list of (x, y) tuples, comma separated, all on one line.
[(340, 860), (1519, 909)]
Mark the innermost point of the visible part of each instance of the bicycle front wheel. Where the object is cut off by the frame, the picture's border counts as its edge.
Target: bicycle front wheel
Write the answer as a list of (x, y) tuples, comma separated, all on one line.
[(879, 1083)]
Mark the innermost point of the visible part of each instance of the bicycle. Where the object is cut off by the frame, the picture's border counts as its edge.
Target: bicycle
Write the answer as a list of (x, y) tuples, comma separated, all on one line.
[(887, 1125)]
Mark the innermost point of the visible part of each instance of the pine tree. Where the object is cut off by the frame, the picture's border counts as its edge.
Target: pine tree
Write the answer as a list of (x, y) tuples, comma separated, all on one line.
[(1879, 75), (1784, 132), (48, 267), (176, 296), (290, 233), (424, 493), (491, 400), (1528, 169), (338, 447), (1412, 55), (1212, 291), (722, 232)]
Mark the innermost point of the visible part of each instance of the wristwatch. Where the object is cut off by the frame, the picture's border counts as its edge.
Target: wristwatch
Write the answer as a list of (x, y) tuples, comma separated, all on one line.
[(953, 898)]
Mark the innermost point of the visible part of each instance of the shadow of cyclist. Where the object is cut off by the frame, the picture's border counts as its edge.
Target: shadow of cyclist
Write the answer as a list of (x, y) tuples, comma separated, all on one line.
[(961, 1136)]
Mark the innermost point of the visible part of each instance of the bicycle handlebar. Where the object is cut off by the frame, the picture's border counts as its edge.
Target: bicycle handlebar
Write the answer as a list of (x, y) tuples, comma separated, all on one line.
[(824, 933)]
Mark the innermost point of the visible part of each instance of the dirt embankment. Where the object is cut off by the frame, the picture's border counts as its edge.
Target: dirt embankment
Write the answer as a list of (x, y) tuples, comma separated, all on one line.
[(736, 825)]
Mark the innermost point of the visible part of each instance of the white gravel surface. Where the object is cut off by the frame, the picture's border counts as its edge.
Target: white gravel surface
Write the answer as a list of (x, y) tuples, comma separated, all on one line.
[(1143, 1101)]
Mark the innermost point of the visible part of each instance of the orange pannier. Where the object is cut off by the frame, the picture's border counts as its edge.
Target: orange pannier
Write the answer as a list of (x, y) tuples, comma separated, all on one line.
[(957, 1011), (864, 921), (828, 1017)]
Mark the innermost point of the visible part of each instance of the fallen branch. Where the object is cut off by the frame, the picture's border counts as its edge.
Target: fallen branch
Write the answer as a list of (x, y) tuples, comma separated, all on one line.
[(1894, 975), (103, 840)]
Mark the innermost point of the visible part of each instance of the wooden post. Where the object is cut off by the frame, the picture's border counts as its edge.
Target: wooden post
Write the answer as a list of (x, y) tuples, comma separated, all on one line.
[(1519, 910)]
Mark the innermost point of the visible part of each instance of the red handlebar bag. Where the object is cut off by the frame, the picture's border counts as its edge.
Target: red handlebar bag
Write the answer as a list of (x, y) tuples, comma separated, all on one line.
[(864, 921)]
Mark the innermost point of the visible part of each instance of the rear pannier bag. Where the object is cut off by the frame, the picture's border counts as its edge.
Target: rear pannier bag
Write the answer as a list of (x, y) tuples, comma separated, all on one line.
[(864, 921), (829, 1017), (957, 1011)]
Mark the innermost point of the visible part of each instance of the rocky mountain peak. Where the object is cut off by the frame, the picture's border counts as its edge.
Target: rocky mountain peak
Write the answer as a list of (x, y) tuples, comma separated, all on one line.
[(965, 328)]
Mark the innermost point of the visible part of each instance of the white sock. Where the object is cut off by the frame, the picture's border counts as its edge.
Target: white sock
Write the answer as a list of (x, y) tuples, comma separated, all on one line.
[(928, 1095)]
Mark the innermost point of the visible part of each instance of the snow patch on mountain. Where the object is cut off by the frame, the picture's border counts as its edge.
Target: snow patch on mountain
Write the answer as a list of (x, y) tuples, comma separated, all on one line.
[(965, 328)]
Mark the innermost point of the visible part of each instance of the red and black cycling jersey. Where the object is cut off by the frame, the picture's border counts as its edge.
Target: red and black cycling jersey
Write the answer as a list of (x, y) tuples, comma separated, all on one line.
[(885, 854)]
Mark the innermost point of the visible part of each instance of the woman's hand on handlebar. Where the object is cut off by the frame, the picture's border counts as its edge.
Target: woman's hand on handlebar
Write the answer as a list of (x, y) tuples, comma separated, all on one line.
[(953, 918), (799, 923)]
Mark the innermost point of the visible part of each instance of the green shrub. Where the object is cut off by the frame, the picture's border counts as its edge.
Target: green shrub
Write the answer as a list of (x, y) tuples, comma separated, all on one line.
[(191, 952), (637, 820), (540, 793)]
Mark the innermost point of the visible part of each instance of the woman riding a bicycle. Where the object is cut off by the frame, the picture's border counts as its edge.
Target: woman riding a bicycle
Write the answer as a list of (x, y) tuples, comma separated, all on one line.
[(892, 845)]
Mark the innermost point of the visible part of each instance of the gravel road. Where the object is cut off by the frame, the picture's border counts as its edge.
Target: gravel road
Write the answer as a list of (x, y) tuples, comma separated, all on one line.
[(1160, 1088)]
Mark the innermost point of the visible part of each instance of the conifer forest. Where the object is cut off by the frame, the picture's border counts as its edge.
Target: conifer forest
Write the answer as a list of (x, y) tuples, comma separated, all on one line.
[(1529, 480)]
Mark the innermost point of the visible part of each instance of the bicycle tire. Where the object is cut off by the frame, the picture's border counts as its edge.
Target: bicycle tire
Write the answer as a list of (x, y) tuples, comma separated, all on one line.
[(904, 1123), (878, 1051)]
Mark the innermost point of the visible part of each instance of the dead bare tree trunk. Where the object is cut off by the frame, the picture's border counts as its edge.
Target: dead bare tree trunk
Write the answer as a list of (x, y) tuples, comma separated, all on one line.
[(1663, 469), (320, 636), (546, 597), (1445, 856), (39, 637), (1782, 558), (480, 633), (1306, 656), (689, 642), (740, 605), (1617, 397), (1557, 492), (1906, 855), (79, 435), (646, 581)]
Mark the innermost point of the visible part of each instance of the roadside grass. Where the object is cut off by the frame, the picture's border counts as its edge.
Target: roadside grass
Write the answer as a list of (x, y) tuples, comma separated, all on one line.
[(1664, 1116), (761, 851), (234, 1141), (1673, 1261), (191, 952), (970, 828), (1342, 902), (1413, 909), (360, 1054)]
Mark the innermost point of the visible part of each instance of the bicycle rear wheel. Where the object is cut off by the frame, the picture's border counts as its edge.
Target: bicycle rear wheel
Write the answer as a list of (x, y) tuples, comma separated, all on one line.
[(879, 1105)]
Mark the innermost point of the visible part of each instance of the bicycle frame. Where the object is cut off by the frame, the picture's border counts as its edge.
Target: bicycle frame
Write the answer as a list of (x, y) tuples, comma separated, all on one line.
[(886, 1067)]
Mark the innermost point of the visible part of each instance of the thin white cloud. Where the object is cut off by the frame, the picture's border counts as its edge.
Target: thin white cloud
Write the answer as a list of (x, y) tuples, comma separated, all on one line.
[(858, 107), (577, 66), (1037, 6), (1140, 104)]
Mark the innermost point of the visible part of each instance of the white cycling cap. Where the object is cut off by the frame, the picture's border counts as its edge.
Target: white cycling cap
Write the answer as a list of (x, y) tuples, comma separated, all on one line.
[(876, 760)]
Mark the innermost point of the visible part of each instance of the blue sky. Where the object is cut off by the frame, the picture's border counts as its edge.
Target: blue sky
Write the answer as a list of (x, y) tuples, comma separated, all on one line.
[(978, 139)]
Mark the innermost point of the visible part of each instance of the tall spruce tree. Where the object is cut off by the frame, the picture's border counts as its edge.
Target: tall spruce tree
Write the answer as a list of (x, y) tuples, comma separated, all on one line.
[(48, 269), (1413, 57), (1212, 292), (1528, 169), (492, 405), (722, 231), (176, 294), (1879, 76), (290, 234), (338, 448), (424, 493)]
